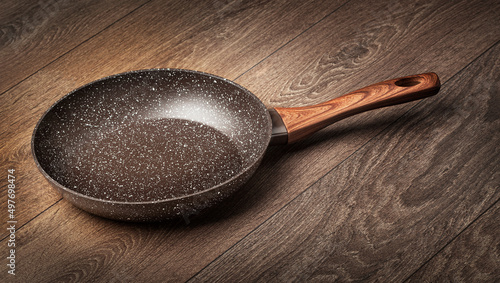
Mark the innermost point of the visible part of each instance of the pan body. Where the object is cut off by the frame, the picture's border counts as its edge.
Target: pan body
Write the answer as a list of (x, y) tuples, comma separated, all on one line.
[(153, 144)]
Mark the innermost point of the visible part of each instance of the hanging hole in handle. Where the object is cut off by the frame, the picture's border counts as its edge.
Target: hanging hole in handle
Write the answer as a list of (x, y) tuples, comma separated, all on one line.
[(407, 82)]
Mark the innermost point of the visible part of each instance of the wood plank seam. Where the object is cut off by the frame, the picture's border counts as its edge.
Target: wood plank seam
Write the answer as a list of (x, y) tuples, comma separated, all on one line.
[(33, 218), (475, 220), (290, 41), (74, 47)]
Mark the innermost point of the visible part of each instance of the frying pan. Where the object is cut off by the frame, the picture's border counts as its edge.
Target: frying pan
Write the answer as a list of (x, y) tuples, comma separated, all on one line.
[(155, 144)]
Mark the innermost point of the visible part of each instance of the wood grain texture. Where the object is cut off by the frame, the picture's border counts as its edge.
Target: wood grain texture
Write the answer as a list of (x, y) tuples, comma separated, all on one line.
[(34, 33), (280, 51), (393, 204), (145, 39), (301, 122), (388, 39), (474, 256)]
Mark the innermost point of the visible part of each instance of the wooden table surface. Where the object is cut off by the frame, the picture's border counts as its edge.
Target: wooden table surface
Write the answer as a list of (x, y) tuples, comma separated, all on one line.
[(407, 193)]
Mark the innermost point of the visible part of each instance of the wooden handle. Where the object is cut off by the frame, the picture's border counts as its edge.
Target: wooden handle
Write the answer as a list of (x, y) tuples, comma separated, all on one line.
[(300, 122)]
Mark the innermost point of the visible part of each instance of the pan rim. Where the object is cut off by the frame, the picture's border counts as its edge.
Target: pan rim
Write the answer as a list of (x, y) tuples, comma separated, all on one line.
[(253, 163)]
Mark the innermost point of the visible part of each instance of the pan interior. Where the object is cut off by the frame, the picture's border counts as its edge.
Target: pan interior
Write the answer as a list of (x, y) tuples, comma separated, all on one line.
[(151, 135)]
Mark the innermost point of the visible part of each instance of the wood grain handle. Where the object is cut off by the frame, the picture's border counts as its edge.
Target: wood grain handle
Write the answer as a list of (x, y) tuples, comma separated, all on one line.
[(300, 122)]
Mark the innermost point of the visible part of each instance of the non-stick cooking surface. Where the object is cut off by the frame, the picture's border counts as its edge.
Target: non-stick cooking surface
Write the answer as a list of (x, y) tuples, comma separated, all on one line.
[(151, 135)]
